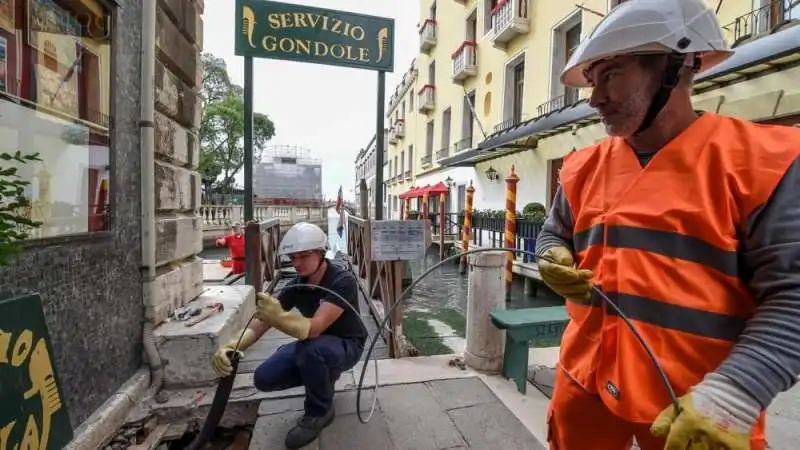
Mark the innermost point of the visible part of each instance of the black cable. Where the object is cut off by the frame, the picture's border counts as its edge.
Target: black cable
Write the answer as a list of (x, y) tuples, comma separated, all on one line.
[(406, 294)]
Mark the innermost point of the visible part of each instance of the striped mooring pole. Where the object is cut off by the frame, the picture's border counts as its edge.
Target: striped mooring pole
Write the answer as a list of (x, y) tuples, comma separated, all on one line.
[(425, 206), (467, 232), (511, 226)]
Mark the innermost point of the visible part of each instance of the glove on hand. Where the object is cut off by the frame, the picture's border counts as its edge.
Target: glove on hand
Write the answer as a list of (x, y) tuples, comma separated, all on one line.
[(269, 311), (563, 277), (220, 361), (715, 414)]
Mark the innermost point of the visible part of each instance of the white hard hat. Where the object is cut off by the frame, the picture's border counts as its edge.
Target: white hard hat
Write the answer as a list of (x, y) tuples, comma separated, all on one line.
[(303, 237), (650, 26)]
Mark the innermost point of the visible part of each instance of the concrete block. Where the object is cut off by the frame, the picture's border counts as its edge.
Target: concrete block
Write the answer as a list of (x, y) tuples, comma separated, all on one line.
[(178, 237), (790, 104), (183, 14), (173, 142), (179, 284), (175, 98), (174, 49), (757, 107), (187, 351), (174, 188)]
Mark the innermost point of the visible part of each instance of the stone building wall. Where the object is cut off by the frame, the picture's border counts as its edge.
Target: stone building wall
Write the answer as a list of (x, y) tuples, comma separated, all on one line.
[(179, 41)]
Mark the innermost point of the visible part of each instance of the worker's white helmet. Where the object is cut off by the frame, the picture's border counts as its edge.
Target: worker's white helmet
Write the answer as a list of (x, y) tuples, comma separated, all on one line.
[(303, 237), (650, 26)]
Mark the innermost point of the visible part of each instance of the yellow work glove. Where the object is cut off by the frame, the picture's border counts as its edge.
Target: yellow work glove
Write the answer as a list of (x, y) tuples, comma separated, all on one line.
[(269, 311), (220, 361), (562, 276), (715, 414)]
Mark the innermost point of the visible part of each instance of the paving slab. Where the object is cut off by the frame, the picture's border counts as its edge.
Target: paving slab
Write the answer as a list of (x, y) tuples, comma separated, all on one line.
[(417, 421), (444, 414), (492, 425)]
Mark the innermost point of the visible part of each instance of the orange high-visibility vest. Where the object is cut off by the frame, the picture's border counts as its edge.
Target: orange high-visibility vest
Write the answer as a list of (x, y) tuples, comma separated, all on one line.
[(662, 243)]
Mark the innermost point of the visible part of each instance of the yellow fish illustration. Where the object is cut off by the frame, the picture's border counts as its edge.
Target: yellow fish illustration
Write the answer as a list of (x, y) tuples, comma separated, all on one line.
[(383, 43), (248, 24), (43, 383)]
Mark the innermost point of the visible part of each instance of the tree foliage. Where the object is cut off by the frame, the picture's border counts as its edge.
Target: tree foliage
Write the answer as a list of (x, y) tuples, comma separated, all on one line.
[(222, 127), (14, 225)]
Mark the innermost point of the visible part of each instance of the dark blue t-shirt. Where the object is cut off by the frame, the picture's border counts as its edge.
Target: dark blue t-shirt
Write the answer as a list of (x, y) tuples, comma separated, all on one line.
[(306, 299)]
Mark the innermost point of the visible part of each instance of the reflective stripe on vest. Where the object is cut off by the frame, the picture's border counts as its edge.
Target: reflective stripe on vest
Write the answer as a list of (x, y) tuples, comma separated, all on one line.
[(663, 244)]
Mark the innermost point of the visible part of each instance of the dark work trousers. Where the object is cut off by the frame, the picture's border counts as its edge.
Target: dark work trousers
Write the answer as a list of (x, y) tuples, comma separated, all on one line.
[(314, 363)]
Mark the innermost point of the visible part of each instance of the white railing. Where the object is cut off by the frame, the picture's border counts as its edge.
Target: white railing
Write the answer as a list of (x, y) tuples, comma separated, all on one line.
[(464, 59), (507, 14), (400, 128), (427, 35), (427, 99), (223, 216)]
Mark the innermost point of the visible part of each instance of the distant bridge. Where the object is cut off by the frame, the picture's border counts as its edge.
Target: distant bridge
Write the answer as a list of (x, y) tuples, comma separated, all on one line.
[(350, 207)]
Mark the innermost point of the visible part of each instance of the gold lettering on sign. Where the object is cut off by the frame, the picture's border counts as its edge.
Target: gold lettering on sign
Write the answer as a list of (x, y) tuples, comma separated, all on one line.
[(42, 384), (309, 47), (281, 21)]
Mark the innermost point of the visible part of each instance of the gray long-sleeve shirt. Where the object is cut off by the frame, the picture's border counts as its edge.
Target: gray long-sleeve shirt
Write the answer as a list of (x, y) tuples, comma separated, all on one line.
[(766, 359)]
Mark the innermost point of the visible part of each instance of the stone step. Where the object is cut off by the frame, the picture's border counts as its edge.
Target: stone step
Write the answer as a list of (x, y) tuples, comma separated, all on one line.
[(186, 351)]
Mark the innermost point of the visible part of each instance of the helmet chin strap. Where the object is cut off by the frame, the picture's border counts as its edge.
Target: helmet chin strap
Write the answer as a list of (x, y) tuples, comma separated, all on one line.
[(669, 80)]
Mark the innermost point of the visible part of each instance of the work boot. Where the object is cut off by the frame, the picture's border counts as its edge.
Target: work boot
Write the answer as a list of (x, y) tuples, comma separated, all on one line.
[(308, 429)]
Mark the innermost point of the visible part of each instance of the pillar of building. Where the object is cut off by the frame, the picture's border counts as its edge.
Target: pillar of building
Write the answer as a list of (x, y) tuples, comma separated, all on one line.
[(178, 228)]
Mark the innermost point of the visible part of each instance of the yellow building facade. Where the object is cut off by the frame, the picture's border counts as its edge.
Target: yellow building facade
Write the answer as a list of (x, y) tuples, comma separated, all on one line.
[(483, 93)]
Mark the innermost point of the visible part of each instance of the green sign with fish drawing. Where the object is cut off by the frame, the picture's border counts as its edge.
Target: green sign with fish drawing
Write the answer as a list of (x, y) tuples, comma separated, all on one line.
[(306, 34), (33, 414)]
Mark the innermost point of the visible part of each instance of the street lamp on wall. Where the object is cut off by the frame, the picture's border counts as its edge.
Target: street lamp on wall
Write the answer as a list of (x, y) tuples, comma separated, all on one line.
[(492, 174), (448, 182)]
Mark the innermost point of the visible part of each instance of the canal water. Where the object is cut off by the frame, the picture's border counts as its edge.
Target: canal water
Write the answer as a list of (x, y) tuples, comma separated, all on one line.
[(434, 319)]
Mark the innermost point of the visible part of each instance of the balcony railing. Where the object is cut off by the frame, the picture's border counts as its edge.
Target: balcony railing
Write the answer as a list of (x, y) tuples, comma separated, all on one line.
[(407, 175), (443, 153), (400, 128), (427, 35), (465, 61), (509, 20), (426, 159), (569, 98), (762, 20), (463, 144), (426, 98), (508, 123), (392, 135)]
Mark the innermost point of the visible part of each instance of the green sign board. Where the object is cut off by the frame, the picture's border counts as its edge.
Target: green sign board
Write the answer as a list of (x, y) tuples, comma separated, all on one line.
[(302, 33), (32, 410)]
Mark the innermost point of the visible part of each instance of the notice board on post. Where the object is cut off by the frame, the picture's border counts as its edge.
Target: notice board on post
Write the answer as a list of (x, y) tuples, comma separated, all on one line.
[(399, 240), (32, 409)]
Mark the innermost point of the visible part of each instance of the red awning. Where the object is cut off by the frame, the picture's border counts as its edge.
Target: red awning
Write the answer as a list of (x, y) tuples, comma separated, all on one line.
[(411, 193), (438, 189)]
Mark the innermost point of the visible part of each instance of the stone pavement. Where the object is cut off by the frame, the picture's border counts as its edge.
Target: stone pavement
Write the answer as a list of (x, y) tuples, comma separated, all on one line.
[(434, 415)]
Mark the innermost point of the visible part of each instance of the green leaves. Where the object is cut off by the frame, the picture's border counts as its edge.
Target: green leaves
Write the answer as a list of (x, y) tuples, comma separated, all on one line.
[(15, 222), (222, 128)]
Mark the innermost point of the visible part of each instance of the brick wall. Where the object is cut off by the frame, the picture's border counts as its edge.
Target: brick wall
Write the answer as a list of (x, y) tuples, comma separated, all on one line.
[(90, 286)]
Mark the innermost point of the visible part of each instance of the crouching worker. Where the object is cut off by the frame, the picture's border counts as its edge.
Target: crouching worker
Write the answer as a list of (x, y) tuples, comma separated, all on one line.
[(330, 335)]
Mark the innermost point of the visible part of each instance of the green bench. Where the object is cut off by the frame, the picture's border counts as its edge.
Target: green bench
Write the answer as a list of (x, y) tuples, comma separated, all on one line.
[(523, 326)]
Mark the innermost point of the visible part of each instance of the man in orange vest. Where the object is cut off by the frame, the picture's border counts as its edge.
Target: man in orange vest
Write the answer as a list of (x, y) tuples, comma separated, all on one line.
[(235, 243), (690, 223)]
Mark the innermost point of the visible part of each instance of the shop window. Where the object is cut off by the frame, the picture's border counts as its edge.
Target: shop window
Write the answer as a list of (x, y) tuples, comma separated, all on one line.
[(55, 80)]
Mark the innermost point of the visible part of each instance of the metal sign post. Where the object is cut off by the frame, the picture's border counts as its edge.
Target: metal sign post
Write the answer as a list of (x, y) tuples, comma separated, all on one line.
[(284, 31)]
